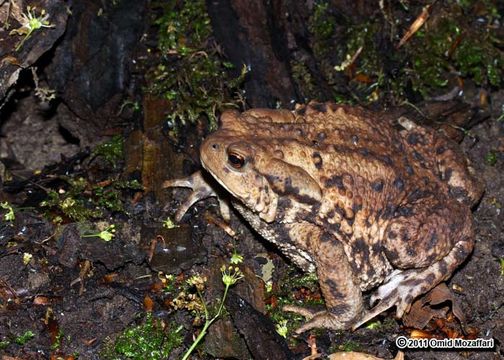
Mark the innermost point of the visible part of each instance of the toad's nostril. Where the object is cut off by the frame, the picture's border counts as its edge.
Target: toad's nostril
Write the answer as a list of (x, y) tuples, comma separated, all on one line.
[(215, 146)]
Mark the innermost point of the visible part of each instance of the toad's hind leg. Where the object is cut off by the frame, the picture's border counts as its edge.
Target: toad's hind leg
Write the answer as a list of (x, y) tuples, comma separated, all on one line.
[(339, 287), (431, 258)]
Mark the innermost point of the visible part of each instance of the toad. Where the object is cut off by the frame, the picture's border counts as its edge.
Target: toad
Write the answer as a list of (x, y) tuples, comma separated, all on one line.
[(365, 203)]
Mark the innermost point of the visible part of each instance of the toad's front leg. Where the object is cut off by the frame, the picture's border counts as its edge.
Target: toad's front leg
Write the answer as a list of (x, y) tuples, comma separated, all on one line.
[(201, 190), (342, 295)]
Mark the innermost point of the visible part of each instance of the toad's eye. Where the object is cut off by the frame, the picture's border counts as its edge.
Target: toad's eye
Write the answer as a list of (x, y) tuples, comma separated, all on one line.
[(236, 160)]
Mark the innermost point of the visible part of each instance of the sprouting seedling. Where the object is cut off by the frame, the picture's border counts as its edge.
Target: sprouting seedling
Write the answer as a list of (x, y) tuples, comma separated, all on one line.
[(105, 235), (9, 215), (29, 23), (230, 276)]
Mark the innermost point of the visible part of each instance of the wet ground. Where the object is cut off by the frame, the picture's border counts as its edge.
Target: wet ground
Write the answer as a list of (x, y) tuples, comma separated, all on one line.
[(66, 292)]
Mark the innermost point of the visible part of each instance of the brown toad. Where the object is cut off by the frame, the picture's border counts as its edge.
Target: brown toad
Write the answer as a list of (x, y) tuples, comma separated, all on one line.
[(345, 194)]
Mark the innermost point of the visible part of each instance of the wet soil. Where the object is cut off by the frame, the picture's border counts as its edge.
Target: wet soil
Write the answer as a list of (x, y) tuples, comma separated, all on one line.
[(76, 294)]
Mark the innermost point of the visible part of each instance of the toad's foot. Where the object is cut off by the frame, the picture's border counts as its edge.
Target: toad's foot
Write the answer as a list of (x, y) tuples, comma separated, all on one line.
[(400, 290), (201, 190), (321, 319)]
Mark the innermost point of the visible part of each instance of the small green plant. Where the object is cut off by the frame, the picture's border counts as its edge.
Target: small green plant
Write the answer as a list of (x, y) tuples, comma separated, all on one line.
[(230, 276), (9, 215), (19, 340), (236, 258), (491, 158), (57, 341), (24, 338), (281, 328), (150, 340), (169, 224), (30, 22), (373, 325), (81, 201), (111, 151), (192, 75), (502, 266), (135, 105), (106, 234)]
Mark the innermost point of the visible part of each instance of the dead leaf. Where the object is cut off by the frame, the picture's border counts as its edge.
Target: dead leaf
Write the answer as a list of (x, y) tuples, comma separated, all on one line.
[(428, 306), (415, 26), (352, 355), (41, 300), (148, 303)]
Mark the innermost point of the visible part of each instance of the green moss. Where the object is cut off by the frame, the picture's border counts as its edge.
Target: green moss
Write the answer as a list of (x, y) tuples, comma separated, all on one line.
[(447, 46), (321, 24), (81, 201), (112, 150), (24, 338), (149, 340), (450, 47), (19, 340), (192, 73), (491, 158)]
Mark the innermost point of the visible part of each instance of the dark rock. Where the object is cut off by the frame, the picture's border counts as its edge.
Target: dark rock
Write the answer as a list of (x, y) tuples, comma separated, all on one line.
[(257, 330), (178, 251), (69, 246)]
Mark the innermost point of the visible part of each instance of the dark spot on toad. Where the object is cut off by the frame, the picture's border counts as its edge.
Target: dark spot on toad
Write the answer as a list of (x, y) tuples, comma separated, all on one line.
[(370, 273), (389, 211), (334, 106), (404, 211), (399, 184), (430, 279), (376, 248), (283, 204), (408, 298), (461, 254), (320, 107), (301, 111), (433, 240), (391, 255), (418, 156), (405, 235), (340, 211), (416, 195), (339, 309), (443, 269), (392, 235), (387, 160), (364, 152), (409, 169), (411, 252), (361, 247), (413, 138), (321, 136), (377, 185), (335, 228), (335, 180), (440, 150), (226, 170), (355, 139), (326, 237), (447, 174), (350, 221), (356, 207), (333, 288), (317, 160)]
